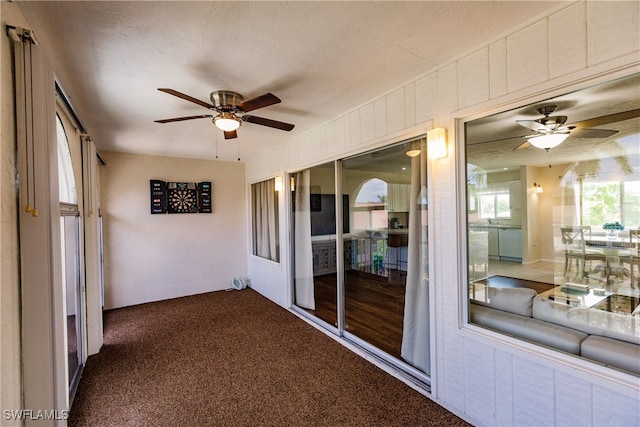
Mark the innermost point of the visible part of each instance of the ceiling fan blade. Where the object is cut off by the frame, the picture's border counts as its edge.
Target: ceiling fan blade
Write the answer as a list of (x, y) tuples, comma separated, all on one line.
[(605, 120), (268, 122), (230, 134), (186, 97), (593, 133), (179, 119), (259, 102), (532, 124), (522, 146)]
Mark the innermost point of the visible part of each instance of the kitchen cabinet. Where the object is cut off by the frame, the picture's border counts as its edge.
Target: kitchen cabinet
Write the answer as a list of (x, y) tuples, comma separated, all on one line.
[(494, 252), (398, 197), (510, 244)]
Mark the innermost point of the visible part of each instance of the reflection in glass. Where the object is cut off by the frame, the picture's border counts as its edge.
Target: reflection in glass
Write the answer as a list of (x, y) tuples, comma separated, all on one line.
[(570, 245)]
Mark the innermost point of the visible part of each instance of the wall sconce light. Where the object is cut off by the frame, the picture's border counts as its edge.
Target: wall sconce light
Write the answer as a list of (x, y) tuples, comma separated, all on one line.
[(437, 143), (292, 183), (538, 187), (278, 183)]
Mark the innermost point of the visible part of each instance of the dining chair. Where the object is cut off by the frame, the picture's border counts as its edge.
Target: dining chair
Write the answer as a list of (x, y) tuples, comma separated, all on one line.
[(574, 239), (633, 259)]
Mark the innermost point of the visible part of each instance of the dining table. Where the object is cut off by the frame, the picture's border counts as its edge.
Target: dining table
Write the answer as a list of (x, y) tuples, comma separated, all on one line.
[(613, 249)]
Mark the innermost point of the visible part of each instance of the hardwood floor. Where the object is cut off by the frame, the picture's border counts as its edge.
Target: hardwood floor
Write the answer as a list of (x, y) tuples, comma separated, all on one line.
[(374, 307)]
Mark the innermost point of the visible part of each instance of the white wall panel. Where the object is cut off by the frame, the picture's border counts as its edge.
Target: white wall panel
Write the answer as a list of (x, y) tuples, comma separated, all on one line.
[(573, 401), (611, 408), (479, 375), (426, 98), (396, 117), (340, 132), (528, 56), (329, 137), (504, 388), (474, 78), (354, 125), (614, 30), (410, 105), (533, 394), (568, 40), (498, 68), (367, 118), (447, 92), (380, 117)]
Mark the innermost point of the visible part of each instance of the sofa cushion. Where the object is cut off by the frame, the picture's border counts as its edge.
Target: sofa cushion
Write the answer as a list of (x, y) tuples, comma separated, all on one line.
[(612, 352), (513, 300), (538, 331)]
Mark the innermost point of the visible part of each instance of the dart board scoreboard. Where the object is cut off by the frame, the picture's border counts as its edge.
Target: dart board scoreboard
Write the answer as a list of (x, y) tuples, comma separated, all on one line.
[(180, 197)]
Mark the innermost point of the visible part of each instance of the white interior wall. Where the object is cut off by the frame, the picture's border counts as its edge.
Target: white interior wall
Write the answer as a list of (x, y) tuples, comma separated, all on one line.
[(490, 378), (156, 257)]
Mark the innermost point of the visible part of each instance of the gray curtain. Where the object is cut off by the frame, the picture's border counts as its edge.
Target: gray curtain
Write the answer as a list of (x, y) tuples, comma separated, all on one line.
[(415, 334), (265, 220)]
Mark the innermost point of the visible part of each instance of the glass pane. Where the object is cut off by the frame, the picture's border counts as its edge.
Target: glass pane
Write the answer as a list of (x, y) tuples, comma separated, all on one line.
[(264, 220), (69, 232), (67, 182), (561, 247), (386, 282), (314, 242)]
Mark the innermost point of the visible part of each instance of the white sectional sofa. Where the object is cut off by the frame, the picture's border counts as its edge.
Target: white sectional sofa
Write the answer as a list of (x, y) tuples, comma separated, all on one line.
[(609, 338)]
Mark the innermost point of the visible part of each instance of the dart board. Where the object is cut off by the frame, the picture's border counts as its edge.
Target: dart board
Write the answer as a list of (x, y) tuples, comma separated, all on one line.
[(182, 197)]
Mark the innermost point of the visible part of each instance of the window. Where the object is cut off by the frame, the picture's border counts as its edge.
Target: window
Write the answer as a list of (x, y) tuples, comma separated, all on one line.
[(616, 201), (265, 221), (549, 258)]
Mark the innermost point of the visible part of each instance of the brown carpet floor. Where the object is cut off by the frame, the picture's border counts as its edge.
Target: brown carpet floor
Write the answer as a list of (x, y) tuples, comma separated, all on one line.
[(235, 358)]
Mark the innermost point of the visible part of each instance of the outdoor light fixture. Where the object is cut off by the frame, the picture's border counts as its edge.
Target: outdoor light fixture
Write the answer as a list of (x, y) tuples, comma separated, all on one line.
[(547, 142), (437, 143), (278, 183), (226, 122)]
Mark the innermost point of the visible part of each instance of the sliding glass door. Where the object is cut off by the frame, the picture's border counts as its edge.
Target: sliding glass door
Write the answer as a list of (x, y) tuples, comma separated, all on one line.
[(314, 242), (376, 292)]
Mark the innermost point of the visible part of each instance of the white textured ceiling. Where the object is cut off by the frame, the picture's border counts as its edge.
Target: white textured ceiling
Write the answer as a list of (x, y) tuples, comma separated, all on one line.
[(321, 58)]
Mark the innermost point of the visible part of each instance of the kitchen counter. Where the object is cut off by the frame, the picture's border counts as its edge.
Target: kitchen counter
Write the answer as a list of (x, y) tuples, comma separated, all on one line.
[(518, 227)]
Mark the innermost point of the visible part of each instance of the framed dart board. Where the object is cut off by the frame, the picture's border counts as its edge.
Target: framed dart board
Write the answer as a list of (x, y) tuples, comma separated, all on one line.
[(180, 197)]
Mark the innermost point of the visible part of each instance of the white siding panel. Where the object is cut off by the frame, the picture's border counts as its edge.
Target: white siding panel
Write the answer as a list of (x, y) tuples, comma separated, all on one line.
[(528, 57), (479, 376), (568, 40), (614, 409), (533, 394), (354, 124), (340, 133), (410, 105), (426, 98), (474, 78), (504, 388), (380, 117), (329, 138), (613, 30), (453, 381), (447, 91), (396, 111), (573, 401), (498, 68), (367, 118)]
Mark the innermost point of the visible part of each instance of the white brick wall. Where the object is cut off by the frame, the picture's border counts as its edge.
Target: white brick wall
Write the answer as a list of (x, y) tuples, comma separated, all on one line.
[(492, 382)]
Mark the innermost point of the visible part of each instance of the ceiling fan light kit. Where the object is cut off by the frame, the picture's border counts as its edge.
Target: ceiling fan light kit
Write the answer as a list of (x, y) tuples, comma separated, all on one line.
[(547, 142), (226, 122), (229, 105)]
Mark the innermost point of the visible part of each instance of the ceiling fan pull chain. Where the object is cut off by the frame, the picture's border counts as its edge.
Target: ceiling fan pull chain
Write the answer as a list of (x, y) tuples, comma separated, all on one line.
[(238, 141), (216, 133)]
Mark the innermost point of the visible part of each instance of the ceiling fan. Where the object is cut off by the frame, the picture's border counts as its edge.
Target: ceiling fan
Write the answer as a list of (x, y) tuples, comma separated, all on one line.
[(229, 106), (551, 131)]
